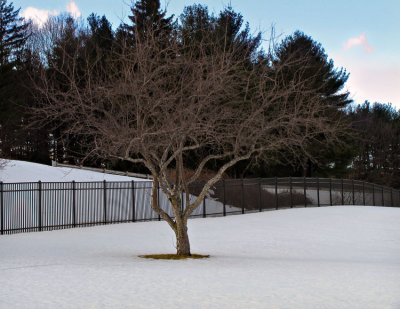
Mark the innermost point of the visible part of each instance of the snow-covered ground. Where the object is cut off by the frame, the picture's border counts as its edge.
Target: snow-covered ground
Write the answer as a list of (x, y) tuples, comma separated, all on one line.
[(330, 257), (21, 171)]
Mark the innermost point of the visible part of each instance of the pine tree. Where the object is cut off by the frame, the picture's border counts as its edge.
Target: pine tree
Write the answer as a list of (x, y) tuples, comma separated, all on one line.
[(318, 75), (227, 29), (234, 34), (99, 44), (377, 146), (146, 17), (321, 75), (13, 35)]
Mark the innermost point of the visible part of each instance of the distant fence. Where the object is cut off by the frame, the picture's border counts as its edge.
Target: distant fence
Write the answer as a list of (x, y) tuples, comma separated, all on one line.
[(43, 206)]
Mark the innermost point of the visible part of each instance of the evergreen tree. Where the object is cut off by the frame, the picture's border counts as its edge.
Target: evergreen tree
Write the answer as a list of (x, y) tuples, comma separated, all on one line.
[(318, 75), (227, 29), (377, 157), (100, 43), (69, 54), (146, 16), (321, 75), (234, 34), (13, 35), (196, 24)]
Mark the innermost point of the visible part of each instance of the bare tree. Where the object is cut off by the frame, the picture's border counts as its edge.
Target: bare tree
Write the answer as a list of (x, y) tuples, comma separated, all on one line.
[(161, 102)]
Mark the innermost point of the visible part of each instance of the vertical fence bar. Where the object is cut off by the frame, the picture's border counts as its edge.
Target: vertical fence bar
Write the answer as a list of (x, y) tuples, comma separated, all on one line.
[(363, 191), (383, 197), (204, 208), (224, 196), (40, 205), (330, 191), (342, 193), (276, 193), (158, 200), (391, 197), (352, 188), (133, 201), (1, 208), (73, 204), (259, 195), (105, 200), (319, 203), (291, 192), (373, 194), (242, 197), (305, 191)]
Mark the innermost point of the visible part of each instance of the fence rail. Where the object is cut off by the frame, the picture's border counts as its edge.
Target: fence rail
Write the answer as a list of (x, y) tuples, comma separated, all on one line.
[(43, 206)]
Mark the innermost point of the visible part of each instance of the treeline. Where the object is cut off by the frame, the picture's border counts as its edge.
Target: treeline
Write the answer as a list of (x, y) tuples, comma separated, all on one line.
[(371, 146)]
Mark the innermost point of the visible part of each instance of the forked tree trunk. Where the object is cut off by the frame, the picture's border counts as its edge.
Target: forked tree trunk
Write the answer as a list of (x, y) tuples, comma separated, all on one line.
[(180, 224), (182, 239)]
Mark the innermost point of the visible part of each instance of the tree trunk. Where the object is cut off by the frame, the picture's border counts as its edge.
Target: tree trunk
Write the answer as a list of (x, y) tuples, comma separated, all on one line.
[(182, 239)]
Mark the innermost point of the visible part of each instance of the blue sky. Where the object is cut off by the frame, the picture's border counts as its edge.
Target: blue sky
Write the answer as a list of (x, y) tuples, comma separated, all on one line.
[(361, 36)]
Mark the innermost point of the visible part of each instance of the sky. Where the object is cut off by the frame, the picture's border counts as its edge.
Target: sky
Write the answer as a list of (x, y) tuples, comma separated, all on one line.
[(362, 36)]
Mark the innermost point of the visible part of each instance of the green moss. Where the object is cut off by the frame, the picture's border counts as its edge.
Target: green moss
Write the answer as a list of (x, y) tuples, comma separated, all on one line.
[(173, 256)]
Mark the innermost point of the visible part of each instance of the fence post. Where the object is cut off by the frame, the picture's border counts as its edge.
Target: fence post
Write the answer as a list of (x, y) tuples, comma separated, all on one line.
[(352, 187), (1, 208), (342, 193), (259, 195), (363, 188), (391, 197), (319, 204), (73, 204), (373, 194), (383, 197), (133, 202), (305, 192), (291, 192), (158, 199), (40, 205), (330, 191), (105, 200), (242, 199), (224, 196), (276, 193), (204, 207)]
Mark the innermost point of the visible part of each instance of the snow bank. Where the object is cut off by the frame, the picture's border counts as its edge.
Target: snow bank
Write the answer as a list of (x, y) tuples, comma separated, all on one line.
[(21, 171), (330, 257)]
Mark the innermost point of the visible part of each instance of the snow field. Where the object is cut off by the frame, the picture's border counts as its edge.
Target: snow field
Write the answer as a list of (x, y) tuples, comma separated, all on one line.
[(330, 257)]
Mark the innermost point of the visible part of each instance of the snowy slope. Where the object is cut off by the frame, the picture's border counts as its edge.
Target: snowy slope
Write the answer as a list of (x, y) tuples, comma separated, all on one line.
[(21, 171), (330, 257)]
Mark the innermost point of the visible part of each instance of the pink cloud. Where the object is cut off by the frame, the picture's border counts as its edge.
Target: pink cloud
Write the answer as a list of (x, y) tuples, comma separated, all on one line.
[(73, 9), (360, 40)]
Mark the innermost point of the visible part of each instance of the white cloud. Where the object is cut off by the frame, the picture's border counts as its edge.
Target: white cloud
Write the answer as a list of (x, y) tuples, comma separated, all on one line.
[(73, 9), (38, 16), (360, 40)]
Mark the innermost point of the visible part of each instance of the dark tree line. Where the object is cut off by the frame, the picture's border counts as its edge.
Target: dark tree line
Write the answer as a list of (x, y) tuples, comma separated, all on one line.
[(25, 50), (377, 146)]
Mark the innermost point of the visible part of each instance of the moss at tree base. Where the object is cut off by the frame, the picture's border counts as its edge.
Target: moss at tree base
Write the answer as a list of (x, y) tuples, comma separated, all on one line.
[(173, 256)]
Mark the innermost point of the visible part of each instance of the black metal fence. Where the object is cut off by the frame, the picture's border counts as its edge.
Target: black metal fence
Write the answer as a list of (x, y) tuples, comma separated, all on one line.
[(42, 206)]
